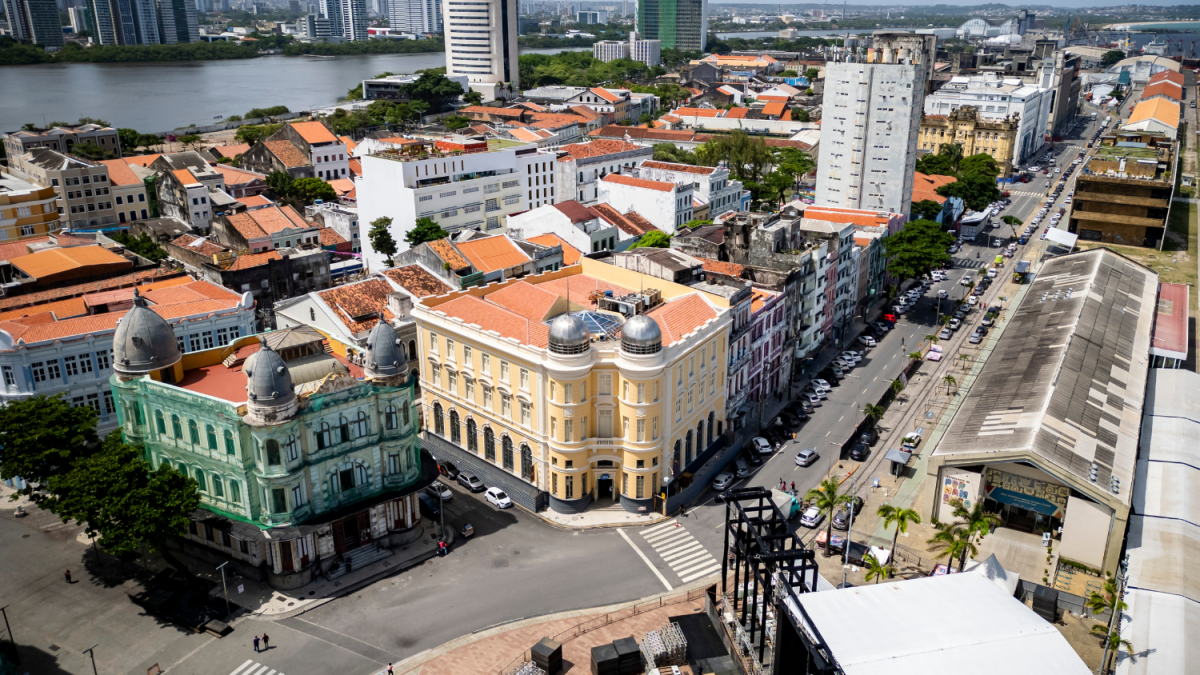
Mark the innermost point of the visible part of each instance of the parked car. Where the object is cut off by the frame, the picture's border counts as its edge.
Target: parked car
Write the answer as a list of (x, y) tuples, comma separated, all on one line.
[(763, 446), (975, 338), (448, 469), (955, 324), (816, 391), (753, 458), (789, 419), (911, 440), (438, 489), (806, 457), (812, 517), (471, 482), (824, 384), (991, 273), (945, 334), (429, 505), (988, 320), (773, 435), (497, 498), (812, 399), (853, 357), (860, 452), (965, 280), (943, 293), (841, 519), (722, 481), (882, 326), (866, 340), (972, 300)]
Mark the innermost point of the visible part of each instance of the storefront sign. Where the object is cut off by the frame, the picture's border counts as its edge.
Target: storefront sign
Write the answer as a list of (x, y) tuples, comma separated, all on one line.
[(957, 487), (1046, 498)]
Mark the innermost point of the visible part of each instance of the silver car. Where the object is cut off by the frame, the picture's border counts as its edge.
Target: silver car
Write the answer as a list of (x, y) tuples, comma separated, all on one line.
[(806, 457)]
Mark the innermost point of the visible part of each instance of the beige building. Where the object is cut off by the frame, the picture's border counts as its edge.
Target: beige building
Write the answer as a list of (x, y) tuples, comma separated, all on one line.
[(26, 209), (62, 139), (976, 134), (128, 192), (84, 192), (574, 386)]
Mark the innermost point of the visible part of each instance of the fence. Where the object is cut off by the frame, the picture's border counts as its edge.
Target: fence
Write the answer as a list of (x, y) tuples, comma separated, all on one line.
[(604, 620)]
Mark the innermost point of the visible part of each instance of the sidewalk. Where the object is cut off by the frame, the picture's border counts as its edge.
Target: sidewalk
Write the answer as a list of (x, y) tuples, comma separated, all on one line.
[(613, 515)]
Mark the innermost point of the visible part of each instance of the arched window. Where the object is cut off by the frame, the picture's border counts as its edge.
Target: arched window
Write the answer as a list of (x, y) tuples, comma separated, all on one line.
[(390, 419), (210, 434), (176, 427), (293, 449), (229, 447), (676, 457), (455, 432), (527, 463), (235, 492), (711, 415), (200, 482), (344, 428), (218, 486), (360, 425), (360, 475), (472, 437), (137, 415), (439, 424), (160, 423), (688, 454), (194, 432), (412, 350), (489, 444), (700, 437), (506, 444), (273, 458), (324, 436), (719, 425), (405, 413)]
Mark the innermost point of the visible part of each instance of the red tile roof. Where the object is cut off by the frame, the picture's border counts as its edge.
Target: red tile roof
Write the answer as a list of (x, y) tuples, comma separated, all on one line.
[(1169, 76), (62, 309), (774, 109), (119, 172), (288, 153), (355, 167), (446, 251), (342, 187), (185, 177), (736, 113), (203, 246), (571, 255), (230, 151), (681, 316), (418, 281), (1164, 88), (576, 212), (596, 148), (605, 94), (488, 254), (1171, 327), (12, 249), (771, 99), (839, 215), (685, 168), (698, 112), (142, 160), (53, 261), (165, 277), (489, 316), (578, 287), (349, 143), (925, 186), (330, 237), (630, 223), (617, 131), (238, 176), (496, 112), (721, 267), (639, 182), (525, 299), (585, 112), (245, 262), (254, 201), (314, 132), (359, 305), (554, 120)]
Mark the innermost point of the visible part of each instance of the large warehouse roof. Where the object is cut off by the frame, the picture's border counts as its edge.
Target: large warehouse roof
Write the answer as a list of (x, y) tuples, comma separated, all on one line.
[(1066, 380)]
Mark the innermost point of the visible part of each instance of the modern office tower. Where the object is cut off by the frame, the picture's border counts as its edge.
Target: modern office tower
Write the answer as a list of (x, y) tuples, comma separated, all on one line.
[(101, 26), (177, 21), (870, 126), (332, 10), (18, 19), (354, 20), (678, 24), (35, 21), (415, 16), (481, 43)]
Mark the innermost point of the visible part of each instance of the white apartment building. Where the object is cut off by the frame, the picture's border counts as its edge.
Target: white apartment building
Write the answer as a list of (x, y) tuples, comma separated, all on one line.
[(648, 52), (667, 205), (481, 43), (572, 222), (460, 184), (997, 99), (339, 218), (581, 166), (710, 184), (415, 16), (610, 50)]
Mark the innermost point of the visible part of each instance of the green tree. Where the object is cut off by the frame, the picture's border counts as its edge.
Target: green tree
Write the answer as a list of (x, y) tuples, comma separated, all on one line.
[(89, 151), (950, 382), (1113, 640), (142, 245), (668, 152), (473, 98), (309, 190), (926, 209), (272, 111), (915, 356), (1012, 222), (434, 89), (42, 438), (381, 238), (149, 141), (793, 164), (694, 223), (645, 119), (952, 541), (898, 516), (789, 73), (191, 140), (253, 133), (1107, 600), (979, 165), (935, 165), (801, 115), (876, 570), (952, 152), (1111, 57), (747, 157), (978, 523), (425, 230), (129, 140), (828, 498), (976, 191), (455, 122), (653, 239), (919, 247), (897, 386), (873, 411), (811, 74), (280, 183)]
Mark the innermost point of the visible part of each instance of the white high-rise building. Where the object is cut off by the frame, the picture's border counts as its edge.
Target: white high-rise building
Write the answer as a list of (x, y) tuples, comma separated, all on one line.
[(870, 124), (354, 20), (481, 43), (415, 16)]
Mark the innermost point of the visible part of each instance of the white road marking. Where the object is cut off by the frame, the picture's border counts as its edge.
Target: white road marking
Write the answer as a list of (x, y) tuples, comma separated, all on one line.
[(650, 530), (645, 559), (239, 668), (681, 552)]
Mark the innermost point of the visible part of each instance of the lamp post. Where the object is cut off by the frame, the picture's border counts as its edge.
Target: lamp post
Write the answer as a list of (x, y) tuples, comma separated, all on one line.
[(225, 588), (8, 629), (849, 532), (90, 651)]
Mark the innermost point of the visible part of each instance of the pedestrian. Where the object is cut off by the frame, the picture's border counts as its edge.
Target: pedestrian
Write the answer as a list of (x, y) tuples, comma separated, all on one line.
[(793, 487), (255, 643), (389, 671), (266, 642), (67, 574)]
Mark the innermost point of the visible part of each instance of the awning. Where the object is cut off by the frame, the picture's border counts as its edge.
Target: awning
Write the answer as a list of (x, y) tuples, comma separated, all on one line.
[(898, 456)]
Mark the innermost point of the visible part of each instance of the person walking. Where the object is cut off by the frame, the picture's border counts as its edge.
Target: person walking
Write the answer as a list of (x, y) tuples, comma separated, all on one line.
[(266, 642), (389, 670), (67, 574), (255, 643), (793, 487)]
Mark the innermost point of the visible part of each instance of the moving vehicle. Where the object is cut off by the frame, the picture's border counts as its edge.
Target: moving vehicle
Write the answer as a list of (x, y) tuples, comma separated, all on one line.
[(812, 517), (806, 457), (471, 482), (497, 497), (787, 504)]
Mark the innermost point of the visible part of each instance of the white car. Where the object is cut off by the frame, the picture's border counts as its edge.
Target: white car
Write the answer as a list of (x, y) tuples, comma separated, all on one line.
[(814, 389), (965, 280), (811, 399), (762, 445), (812, 517), (943, 293), (937, 275), (823, 384), (866, 341), (722, 482), (972, 300), (851, 356), (991, 273), (497, 498)]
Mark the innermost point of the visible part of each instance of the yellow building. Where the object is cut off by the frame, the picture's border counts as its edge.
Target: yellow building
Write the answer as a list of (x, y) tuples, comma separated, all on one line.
[(26, 209), (976, 135), (574, 386)]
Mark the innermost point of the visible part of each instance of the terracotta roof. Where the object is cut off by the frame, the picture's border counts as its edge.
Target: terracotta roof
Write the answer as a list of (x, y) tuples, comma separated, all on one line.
[(254, 201), (1160, 109), (314, 132), (630, 223), (786, 116), (681, 316), (417, 280), (721, 267), (355, 167), (185, 177), (62, 309), (596, 148), (168, 277), (230, 151), (490, 316), (245, 262), (639, 182), (141, 160), (237, 176), (774, 109), (571, 255), (605, 94), (342, 186), (576, 212), (330, 237), (264, 222), (446, 251), (359, 305), (497, 112), (670, 118), (685, 168), (530, 105), (288, 153), (771, 99), (349, 143), (119, 172), (695, 91), (578, 287), (488, 254), (245, 225), (839, 215), (525, 299), (736, 113), (205, 247), (12, 249), (554, 120), (925, 186), (58, 260), (1166, 88), (529, 136), (193, 291), (1169, 76), (585, 112), (758, 298), (617, 131), (698, 112)]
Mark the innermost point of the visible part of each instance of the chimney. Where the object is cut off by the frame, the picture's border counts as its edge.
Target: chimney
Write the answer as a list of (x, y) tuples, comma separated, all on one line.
[(399, 304)]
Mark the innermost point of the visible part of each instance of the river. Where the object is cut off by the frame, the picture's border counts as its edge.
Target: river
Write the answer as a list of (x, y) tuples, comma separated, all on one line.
[(156, 97)]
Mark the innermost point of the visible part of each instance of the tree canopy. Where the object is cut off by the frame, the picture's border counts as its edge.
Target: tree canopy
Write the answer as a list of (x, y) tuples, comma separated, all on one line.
[(142, 245), (381, 238), (424, 230), (654, 239), (917, 248), (926, 209), (309, 190), (1111, 58), (253, 133), (434, 89), (977, 192)]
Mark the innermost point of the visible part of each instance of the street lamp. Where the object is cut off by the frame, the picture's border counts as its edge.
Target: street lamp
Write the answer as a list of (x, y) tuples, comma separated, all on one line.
[(90, 651), (849, 532), (8, 629), (225, 588)]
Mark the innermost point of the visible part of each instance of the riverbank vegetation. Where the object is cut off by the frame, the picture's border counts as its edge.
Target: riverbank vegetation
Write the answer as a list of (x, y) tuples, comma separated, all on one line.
[(368, 47), (13, 53)]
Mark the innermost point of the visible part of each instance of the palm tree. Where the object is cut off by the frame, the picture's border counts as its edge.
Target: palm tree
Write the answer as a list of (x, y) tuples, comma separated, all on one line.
[(875, 569), (915, 356), (965, 358), (900, 517), (1099, 603), (950, 382), (1113, 640), (978, 522), (982, 271), (944, 319), (953, 152), (873, 411), (828, 498), (933, 339), (953, 541), (897, 385)]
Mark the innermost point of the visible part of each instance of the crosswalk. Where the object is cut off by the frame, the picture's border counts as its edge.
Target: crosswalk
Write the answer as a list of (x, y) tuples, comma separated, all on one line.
[(686, 557), (1029, 193), (252, 667)]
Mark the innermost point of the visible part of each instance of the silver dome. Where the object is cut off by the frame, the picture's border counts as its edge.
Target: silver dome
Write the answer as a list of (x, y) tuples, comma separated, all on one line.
[(641, 335), (569, 335), (385, 356), (143, 341), (268, 381)]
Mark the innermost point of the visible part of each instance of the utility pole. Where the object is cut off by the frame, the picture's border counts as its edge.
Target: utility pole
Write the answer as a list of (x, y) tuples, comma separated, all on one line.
[(91, 651), (8, 629), (849, 532), (225, 588)]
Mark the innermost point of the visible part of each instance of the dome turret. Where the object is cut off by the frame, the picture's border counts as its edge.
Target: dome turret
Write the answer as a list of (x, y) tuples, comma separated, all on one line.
[(143, 341), (641, 335), (268, 381), (385, 355), (569, 335)]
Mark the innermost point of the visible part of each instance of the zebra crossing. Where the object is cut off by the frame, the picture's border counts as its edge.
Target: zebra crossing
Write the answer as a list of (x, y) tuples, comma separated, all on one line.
[(1029, 193), (254, 668), (686, 557)]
